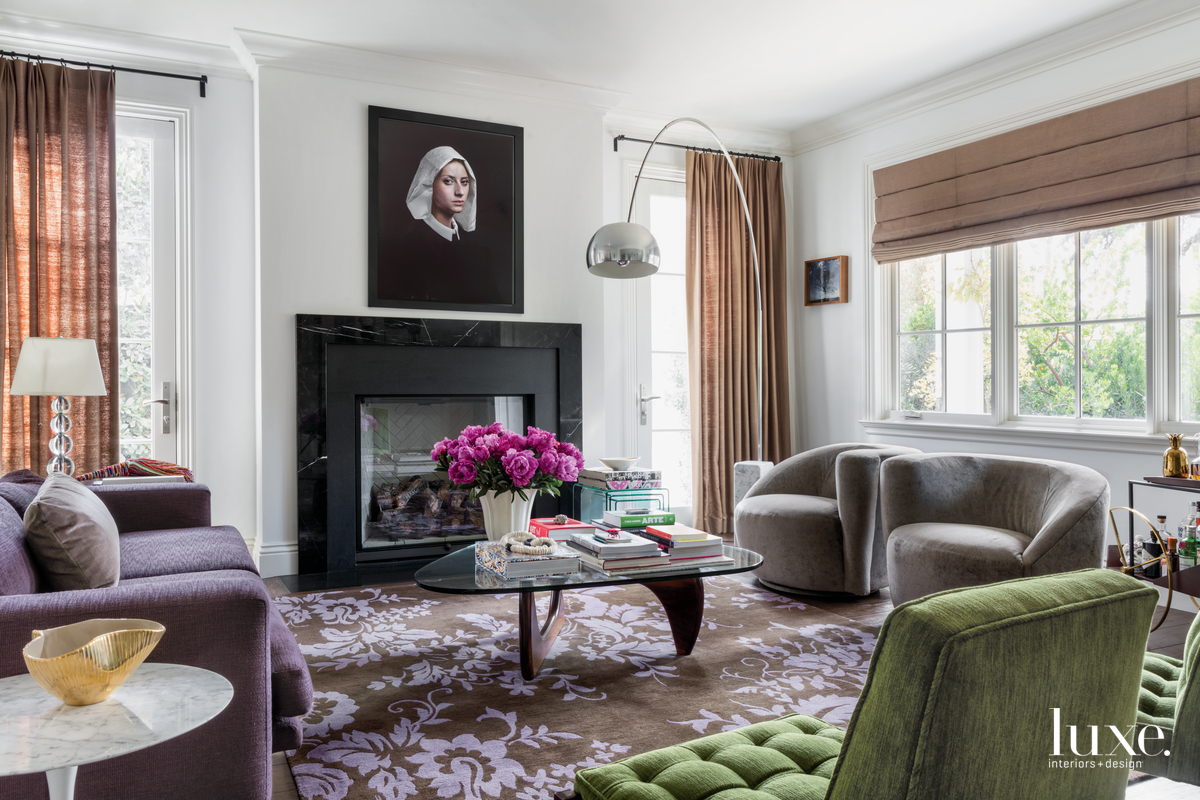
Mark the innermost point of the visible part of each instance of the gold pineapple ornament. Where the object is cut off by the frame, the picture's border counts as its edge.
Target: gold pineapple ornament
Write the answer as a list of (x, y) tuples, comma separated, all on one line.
[(1175, 459)]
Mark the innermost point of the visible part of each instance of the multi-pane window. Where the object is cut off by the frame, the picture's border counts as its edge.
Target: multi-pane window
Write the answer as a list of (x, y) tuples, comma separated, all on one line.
[(1069, 322), (1081, 324), (944, 306), (1188, 310)]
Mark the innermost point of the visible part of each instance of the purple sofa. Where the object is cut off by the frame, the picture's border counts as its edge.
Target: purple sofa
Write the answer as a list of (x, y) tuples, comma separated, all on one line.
[(200, 582)]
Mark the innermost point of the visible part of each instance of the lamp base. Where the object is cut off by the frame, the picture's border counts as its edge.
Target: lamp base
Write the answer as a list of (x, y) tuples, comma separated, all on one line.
[(60, 442)]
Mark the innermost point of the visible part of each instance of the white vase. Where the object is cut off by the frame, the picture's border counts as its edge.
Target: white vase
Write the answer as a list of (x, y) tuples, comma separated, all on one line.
[(506, 512)]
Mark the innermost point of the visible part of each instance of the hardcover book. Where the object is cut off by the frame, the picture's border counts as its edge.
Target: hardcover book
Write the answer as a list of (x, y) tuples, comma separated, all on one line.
[(546, 527), (636, 546), (619, 564), (604, 473), (616, 484), (493, 557), (638, 517), (679, 533)]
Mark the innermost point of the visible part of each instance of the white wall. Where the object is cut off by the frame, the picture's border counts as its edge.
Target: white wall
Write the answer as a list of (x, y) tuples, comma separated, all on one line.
[(312, 152), (830, 219), (222, 292)]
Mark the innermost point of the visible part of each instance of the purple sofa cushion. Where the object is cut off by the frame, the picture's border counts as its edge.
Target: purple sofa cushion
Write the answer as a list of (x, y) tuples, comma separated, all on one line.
[(17, 572), (156, 506), (146, 554), (291, 685), (23, 476), (20, 491)]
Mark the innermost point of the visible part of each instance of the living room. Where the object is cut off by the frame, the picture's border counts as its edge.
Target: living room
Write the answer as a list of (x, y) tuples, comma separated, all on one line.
[(276, 197)]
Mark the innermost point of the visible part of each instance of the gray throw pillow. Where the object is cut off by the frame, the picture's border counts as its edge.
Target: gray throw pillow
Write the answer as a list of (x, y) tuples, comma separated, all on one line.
[(73, 536)]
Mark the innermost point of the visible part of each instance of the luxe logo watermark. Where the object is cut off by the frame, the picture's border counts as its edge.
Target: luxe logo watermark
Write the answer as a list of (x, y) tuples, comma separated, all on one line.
[(1096, 751)]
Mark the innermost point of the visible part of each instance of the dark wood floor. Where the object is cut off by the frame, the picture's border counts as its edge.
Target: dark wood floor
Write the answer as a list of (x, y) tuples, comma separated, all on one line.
[(1170, 636)]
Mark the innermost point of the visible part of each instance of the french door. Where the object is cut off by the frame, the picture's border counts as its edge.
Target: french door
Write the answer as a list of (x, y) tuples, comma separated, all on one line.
[(147, 261), (661, 403)]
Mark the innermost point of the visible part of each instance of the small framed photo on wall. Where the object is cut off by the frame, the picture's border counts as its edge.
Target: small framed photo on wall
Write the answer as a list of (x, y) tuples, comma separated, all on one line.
[(826, 280), (444, 213)]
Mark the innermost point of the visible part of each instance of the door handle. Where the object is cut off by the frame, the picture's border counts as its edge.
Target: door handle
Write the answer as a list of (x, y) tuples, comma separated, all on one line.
[(165, 402), (643, 400)]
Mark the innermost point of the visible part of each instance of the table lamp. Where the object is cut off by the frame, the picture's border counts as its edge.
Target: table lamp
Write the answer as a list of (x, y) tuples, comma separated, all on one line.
[(56, 368)]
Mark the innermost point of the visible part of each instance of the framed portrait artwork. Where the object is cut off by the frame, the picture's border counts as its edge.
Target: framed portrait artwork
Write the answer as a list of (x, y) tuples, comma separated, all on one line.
[(826, 280), (445, 217)]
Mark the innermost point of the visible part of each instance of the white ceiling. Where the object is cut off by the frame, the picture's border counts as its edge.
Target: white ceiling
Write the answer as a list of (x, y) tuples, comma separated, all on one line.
[(769, 64)]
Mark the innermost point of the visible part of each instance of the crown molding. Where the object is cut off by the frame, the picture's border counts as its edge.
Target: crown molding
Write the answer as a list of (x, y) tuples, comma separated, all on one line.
[(256, 49), (735, 137), (123, 48), (1127, 24)]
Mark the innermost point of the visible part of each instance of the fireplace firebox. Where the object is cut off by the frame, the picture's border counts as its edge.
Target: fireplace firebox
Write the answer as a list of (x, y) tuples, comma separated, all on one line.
[(373, 397), (404, 502)]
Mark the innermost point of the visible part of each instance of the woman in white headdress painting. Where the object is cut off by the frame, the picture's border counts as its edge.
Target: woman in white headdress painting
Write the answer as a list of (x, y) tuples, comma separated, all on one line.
[(435, 257)]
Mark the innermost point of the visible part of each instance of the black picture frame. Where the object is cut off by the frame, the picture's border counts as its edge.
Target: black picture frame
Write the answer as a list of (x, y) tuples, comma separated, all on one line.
[(411, 265)]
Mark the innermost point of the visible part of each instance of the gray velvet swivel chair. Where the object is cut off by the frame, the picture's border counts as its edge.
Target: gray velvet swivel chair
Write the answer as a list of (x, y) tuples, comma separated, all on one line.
[(815, 520), (953, 520)]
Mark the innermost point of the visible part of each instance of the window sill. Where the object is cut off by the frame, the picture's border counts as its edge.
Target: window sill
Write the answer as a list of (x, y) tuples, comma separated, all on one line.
[(1022, 434)]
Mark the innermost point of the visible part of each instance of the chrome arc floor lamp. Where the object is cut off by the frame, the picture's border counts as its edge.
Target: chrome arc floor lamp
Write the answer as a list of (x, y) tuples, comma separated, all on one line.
[(628, 250)]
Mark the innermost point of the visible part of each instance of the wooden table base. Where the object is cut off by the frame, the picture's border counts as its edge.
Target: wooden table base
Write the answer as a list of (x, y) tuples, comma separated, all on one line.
[(535, 642), (682, 599)]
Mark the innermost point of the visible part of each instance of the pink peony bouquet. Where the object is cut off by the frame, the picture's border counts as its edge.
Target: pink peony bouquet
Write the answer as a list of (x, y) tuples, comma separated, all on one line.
[(489, 458)]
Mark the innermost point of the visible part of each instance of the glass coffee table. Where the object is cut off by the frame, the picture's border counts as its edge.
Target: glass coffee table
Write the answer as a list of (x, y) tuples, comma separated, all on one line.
[(681, 593)]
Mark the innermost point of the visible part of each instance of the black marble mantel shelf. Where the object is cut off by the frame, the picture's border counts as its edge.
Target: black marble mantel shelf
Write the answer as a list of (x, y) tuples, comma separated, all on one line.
[(315, 333)]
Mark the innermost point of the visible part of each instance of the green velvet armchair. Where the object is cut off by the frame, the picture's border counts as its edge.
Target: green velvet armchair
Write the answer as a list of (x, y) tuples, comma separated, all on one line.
[(970, 693)]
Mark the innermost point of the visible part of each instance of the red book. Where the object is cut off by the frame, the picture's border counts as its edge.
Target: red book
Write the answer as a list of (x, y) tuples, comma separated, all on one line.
[(546, 526)]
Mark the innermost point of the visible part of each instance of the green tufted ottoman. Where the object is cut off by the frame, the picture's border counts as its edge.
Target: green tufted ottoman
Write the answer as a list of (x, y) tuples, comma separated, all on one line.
[(790, 758)]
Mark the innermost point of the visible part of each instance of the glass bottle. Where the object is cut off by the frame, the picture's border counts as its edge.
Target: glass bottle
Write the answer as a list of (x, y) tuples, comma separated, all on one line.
[(1187, 548), (1173, 553)]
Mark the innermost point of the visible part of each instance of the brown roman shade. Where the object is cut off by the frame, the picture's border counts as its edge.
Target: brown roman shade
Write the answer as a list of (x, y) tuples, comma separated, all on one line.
[(1133, 159)]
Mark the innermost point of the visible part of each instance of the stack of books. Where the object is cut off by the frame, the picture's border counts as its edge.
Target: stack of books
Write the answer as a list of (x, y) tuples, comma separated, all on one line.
[(609, 479), (637, 556), (686, 546), (493, 557)]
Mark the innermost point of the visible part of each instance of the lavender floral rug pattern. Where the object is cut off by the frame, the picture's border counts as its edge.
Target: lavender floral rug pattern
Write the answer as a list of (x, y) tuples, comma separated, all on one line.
[(419, 694)]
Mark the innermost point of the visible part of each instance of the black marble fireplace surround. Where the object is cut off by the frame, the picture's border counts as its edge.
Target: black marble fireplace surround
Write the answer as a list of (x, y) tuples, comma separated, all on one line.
[(341, 359)]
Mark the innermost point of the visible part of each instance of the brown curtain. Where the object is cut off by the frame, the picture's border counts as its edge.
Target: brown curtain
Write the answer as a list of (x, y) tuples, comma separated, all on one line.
[(59, 245), (722, 310), (1134, 159)]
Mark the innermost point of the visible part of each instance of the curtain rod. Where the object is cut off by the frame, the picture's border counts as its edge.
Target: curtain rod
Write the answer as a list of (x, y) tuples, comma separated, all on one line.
[(623, 138), (202, 79)]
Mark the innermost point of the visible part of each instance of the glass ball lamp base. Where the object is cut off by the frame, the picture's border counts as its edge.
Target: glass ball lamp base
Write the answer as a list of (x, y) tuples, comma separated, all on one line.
[(60, 442)]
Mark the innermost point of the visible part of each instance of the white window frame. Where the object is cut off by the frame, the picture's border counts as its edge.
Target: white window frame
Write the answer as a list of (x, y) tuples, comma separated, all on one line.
[(184, 290), (1162, 362)]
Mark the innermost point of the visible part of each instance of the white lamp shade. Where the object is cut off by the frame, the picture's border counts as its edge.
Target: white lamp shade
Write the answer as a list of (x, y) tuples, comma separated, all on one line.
[(51, 367)]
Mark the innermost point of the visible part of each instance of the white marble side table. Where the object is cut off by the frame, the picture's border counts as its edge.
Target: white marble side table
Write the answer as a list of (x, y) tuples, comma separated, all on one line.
[(158, 702)]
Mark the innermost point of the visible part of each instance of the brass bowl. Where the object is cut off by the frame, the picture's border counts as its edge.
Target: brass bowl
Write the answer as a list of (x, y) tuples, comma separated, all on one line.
[(84, 663)]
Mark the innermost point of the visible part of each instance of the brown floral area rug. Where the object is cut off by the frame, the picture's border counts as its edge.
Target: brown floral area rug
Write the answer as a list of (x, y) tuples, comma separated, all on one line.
[(419, 694)]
